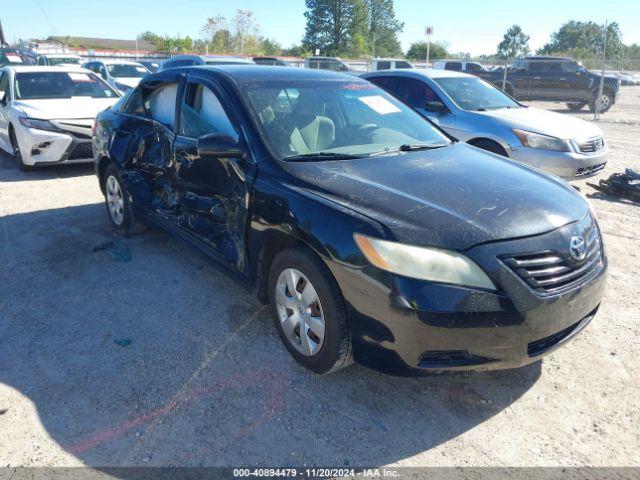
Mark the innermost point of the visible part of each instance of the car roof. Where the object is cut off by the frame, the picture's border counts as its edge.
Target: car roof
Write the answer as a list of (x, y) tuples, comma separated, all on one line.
[(209, 58), (252, 73), (548, 58), (390, 60), (419, 72), (117, 62), (59, 55), (38, 68)]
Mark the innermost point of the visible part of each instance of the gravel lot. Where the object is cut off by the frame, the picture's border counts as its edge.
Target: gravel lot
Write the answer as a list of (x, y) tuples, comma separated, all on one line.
[(141, 353)]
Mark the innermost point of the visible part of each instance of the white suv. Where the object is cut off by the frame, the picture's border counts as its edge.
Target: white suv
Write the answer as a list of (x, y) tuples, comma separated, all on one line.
[(47, 113)]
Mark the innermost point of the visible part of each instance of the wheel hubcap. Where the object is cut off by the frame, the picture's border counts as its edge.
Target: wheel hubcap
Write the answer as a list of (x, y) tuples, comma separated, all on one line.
[(604, 103), (300, 312), (115, 200)]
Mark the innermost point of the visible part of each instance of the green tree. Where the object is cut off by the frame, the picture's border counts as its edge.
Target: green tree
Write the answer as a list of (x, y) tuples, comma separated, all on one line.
[(151, 37), (270, 47), (329, 25), (383, 28), (587, 37), (514, 43), (418, 51)]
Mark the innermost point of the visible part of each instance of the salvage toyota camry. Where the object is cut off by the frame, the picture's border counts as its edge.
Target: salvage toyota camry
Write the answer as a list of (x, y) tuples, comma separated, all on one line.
[(372, 235)]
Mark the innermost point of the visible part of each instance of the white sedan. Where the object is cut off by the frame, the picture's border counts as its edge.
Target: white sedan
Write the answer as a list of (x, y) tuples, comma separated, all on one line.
[(47, 113)]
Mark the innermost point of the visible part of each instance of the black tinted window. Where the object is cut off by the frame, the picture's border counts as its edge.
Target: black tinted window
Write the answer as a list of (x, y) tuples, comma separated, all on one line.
[(177, 63), (414, 93), (403, 65), (455, 66), (384, 65)]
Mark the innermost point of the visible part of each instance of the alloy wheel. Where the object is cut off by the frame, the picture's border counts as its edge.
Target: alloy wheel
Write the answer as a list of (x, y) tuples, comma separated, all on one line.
[(300, 312), (115, 200), (604, 103)]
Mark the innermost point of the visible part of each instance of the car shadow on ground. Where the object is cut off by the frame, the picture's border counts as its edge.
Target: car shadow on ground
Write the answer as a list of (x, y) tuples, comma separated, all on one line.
[(137, 352), (11, 172)]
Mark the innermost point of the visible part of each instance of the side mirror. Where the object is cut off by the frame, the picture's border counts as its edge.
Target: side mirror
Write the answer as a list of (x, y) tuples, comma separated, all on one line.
[(436, 107), (581, 71), (219, 145)]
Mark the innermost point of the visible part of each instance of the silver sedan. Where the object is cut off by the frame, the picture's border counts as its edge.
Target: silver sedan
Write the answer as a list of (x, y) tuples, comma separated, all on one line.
[(475, 112)]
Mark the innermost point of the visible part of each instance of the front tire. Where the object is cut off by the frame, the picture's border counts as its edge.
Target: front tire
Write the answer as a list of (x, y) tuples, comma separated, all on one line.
[(17, 154), (119, 208), (308, 311)]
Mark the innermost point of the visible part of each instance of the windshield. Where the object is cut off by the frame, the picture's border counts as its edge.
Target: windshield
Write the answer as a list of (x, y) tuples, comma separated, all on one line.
[(471, 93), (337, 117), (60, 60), (125, 70), (47, 85)]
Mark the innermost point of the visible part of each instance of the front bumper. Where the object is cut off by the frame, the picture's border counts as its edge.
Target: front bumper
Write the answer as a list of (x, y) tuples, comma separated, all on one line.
[(411, 327), (44, 147), (567, 165)]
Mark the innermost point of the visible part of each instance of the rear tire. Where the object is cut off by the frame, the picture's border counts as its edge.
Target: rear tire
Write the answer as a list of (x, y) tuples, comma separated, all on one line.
[(17, 154), (576, 106), (606, 102), (490, 146), (119, 209), (315, 307)]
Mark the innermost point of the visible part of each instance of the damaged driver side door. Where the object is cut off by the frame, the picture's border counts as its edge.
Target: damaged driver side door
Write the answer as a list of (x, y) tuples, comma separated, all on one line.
[(213, 171)]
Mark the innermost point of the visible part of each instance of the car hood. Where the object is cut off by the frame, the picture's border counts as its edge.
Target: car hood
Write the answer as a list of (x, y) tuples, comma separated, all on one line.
[(544, 122), (453, 197), (128, 81), (76, 107)]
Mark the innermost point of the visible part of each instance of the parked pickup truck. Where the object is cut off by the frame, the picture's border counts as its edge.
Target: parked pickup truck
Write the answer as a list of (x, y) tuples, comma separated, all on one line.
[(555, 79)]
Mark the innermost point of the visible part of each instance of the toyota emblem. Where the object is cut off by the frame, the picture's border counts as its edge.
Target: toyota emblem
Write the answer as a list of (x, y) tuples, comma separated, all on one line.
[(578, 248)]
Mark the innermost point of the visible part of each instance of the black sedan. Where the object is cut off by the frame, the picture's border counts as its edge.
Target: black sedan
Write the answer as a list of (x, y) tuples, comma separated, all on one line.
[(373, 236)]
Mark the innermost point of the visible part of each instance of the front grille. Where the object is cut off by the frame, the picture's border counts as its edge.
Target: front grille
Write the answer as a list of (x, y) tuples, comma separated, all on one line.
[(592, 145), (550, 272), (587, 171), (81, 151)]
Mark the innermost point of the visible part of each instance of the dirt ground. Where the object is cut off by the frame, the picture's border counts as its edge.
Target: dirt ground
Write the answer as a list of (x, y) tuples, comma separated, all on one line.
[(141, 353)]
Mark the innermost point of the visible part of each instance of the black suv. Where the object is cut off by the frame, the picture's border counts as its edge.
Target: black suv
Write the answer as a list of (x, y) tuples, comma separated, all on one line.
[(556, 79), (371, 234)]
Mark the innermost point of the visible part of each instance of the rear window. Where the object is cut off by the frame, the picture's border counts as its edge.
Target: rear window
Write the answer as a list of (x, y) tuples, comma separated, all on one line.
[(49, 85)]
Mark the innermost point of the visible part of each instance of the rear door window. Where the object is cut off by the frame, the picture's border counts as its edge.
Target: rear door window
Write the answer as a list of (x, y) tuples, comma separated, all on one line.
[(161, 104), (384, 65), (455, 66)]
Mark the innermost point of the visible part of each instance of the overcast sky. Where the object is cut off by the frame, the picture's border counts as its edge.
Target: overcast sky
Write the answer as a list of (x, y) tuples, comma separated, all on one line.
[(473, 26)]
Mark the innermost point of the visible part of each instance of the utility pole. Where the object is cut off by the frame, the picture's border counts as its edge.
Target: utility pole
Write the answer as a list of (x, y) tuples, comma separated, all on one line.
[(428, 32), (604, 61), (3, 41)]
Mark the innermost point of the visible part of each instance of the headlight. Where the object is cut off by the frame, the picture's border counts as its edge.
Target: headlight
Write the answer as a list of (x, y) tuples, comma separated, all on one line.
[(544, 142), (423, 263), (39, 124)]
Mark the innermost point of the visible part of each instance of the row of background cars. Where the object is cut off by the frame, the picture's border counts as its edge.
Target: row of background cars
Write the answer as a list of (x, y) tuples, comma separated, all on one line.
[(346, 202), (36, 125)]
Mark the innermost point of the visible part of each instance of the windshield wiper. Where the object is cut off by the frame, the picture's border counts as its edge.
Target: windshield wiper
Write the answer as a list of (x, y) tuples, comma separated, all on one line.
[(410, 147), (310, 157)]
